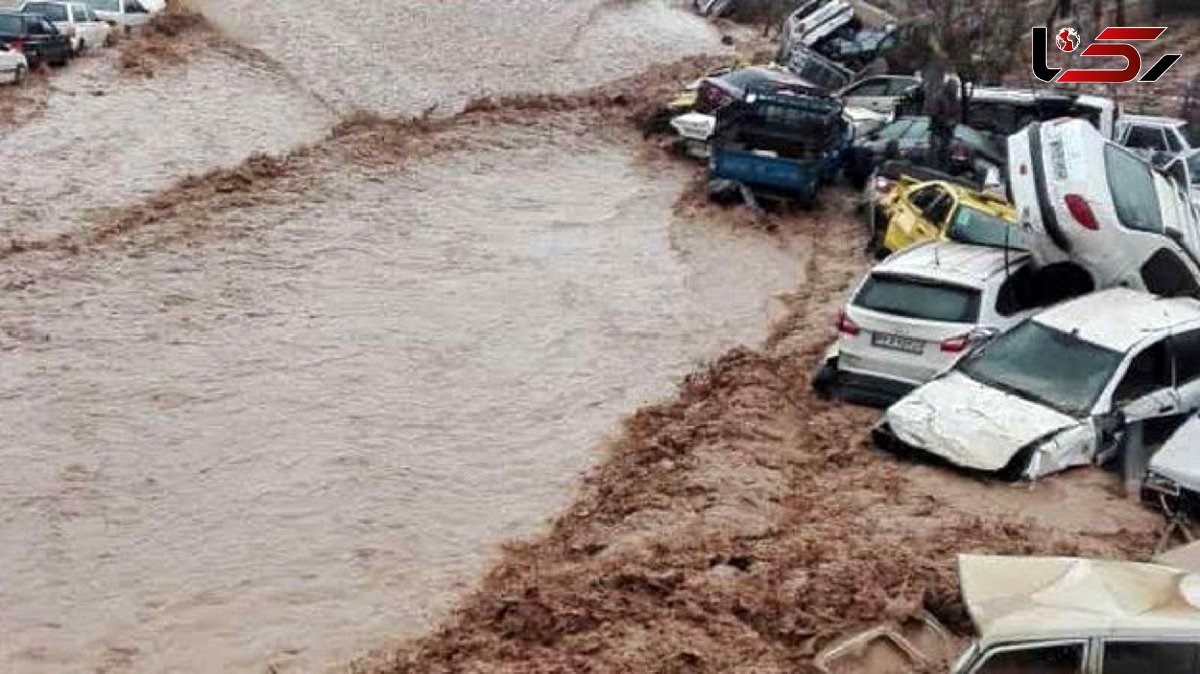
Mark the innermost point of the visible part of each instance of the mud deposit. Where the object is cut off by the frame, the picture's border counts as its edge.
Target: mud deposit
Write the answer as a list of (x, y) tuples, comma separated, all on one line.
[(743, 525)]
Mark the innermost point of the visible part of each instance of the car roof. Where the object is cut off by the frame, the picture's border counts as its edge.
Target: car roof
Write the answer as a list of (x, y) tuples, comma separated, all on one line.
[(1120, 318), (958, 263), (1152, 120), (1015, 599)]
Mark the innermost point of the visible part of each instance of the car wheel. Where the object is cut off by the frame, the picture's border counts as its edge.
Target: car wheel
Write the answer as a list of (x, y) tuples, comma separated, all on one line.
[(20, 75), (82, 46), (1016, 467), (824, 382)]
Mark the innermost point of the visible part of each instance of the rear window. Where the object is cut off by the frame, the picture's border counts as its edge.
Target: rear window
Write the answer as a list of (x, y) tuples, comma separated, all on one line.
[(918, 298), (974, 226), (1131, 182)]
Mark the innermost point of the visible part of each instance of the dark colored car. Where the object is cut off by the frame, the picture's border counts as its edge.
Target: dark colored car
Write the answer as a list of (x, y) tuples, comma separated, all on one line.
[(715, 92), (37, 38), (971, 152)]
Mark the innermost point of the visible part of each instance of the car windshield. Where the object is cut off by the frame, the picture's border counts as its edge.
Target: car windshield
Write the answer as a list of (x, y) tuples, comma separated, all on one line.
[(975, 140), (971, 225), (49, 10), (1131, 183), (1192, 136), (918, 298), (105, 5), (745, 78), (912, 127), (1045, 365)]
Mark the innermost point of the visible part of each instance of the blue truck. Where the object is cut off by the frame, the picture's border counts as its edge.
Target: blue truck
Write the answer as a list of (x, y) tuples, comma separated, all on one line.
[(780, 145)]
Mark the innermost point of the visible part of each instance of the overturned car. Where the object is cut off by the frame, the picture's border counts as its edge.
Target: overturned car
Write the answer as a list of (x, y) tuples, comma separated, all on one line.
[(1059, 390)]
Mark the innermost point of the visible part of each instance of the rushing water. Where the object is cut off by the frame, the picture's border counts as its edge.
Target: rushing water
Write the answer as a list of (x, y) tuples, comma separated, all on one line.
[(292, 445)]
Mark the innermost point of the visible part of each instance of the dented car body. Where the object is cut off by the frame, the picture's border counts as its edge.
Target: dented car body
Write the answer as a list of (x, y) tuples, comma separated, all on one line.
[(1065, 615), (1059, 390)]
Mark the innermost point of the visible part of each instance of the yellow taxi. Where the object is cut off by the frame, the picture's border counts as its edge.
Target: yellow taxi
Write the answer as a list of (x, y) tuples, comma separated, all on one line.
[(943, 211)]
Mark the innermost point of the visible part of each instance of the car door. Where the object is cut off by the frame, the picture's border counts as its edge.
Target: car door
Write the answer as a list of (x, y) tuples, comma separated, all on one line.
[(1185, 347), (1146, 390), (910, 219)]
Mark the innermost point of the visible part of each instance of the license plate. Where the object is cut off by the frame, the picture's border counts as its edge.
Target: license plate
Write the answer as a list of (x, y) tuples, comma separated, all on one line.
[(897, 342)]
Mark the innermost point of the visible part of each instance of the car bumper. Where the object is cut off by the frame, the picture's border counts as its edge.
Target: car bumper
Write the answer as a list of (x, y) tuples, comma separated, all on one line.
[(871, 389)]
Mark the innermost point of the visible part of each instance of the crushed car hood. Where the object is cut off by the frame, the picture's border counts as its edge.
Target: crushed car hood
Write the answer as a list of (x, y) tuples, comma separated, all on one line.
[(1179, 460), (970, 424)]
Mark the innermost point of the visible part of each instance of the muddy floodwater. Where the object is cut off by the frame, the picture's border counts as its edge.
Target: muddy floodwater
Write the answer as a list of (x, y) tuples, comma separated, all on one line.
[(297, 439)]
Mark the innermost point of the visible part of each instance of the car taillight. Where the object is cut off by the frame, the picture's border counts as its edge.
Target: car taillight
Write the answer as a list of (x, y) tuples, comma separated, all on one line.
[(955, 344), (17, 46), (1081, 211), (845, 325)]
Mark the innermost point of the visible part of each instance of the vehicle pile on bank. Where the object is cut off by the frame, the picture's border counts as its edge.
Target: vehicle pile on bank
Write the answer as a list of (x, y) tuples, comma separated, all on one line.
[(1036, 306), (52, 33)]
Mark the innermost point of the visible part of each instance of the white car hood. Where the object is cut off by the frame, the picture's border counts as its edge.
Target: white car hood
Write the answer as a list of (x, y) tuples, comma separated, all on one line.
[(970, 424), (1179, 458)]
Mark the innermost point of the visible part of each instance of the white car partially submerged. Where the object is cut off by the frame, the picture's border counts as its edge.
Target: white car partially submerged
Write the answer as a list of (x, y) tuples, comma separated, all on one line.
[(1058, 390), (919, 311), (1067, 615), (13, 66), (1102, 214)]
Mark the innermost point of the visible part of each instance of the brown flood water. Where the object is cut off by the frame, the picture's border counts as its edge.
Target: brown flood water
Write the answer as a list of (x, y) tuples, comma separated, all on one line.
[(292, 445)]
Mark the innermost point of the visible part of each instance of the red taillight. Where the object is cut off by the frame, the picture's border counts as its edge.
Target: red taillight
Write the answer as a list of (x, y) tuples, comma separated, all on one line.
[(845, 325), (1081, 211), (955, 344), (17, 46)]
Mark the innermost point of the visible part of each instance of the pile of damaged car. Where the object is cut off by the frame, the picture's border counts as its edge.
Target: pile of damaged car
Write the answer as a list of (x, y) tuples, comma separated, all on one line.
[(1049, 615)]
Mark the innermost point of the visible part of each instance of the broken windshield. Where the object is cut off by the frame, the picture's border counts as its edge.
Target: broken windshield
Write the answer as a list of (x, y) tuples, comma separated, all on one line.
[(971, 225), (1045, 365)]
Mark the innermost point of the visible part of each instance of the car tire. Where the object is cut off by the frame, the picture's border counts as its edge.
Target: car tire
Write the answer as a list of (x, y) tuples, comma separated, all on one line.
[(20, 75), (824, 381), (82, 47)]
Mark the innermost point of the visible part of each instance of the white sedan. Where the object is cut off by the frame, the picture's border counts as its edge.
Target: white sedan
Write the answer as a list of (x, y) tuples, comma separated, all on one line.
[(1059, 390), (13, 66)]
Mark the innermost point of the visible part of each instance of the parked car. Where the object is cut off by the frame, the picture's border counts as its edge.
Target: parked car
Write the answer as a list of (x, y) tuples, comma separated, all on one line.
[(782, 145), (714, 8), (972, 153), (1173, 473), (714, 92), (1154, 137), (881, 93), (917, 312), (1003, 111), (35, 37), (1066, 615), (817, 20), (887, 176), (1059, 389), (75, 20), (1090, 204), (944, 211), (122, 14), (13, 65)]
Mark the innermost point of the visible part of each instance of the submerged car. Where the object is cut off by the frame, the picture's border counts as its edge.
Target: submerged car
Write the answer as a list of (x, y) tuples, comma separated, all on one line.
[(717, 91), (1192, 161), (1153, 137), (945, 211), (1094, 206), (35, 37), (125, 14), (918, 312), (1067, 615), (882, 93), (13, 66), (1057, 390), (971, 152)]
